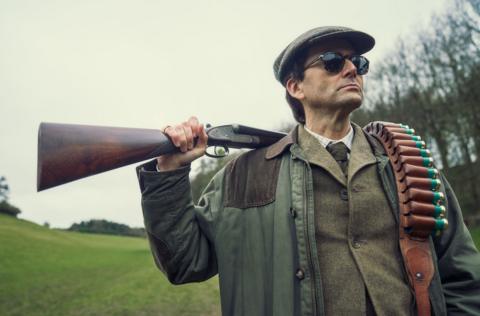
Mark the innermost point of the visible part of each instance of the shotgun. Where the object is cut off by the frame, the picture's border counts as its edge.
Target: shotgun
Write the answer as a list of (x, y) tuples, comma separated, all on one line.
[(68, 152)]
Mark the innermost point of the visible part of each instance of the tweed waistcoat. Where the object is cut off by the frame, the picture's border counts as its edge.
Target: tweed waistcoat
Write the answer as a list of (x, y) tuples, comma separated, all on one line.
[(356, 233)]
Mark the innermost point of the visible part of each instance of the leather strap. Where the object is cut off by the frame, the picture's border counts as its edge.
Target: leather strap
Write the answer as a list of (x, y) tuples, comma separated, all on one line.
[(421, 212)]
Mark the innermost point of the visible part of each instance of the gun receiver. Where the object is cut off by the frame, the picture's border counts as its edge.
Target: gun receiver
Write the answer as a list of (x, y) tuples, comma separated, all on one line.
[(68, 152)]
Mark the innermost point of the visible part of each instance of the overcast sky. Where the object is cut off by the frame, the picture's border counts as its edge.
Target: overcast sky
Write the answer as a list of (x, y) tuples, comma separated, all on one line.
[(149, 63)]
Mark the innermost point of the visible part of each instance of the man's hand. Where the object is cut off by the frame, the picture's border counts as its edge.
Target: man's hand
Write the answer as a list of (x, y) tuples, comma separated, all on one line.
[(183, 136)]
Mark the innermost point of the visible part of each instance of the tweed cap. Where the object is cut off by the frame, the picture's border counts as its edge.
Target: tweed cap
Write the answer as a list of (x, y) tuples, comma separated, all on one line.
[(361, 42)]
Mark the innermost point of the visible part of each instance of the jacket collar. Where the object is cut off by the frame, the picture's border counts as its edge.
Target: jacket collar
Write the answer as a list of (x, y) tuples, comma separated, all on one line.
[(362, 153), (314, 152), (292, 138), (279, 147)]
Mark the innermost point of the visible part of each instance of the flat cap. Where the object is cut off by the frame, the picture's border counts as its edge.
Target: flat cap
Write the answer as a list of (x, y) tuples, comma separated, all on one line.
[(361, 42)]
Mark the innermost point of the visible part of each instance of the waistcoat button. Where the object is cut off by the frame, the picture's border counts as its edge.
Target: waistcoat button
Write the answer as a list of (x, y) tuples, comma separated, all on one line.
[(356, 244), (344, 194), (300, 274), (293, 212)]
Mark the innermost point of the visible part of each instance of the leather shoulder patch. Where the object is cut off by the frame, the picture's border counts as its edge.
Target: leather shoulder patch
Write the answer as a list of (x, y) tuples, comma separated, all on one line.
[(251, 180)]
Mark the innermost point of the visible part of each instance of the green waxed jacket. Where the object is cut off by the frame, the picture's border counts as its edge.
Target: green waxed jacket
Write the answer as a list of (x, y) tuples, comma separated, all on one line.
[(254, 226)]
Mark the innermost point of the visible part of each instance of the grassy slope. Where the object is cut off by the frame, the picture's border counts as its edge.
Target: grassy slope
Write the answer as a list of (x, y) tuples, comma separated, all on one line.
[(49, 272)]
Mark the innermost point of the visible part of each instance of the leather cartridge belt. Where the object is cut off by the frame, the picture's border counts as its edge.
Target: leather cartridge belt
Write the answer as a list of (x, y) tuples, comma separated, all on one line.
[(420, 199)]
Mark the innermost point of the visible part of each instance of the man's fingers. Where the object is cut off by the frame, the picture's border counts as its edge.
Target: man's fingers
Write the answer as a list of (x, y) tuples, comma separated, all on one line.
[(195, 124), (182, 136), (199, 149), (178, 137), (189, 134), (202, 138), (190, 137)]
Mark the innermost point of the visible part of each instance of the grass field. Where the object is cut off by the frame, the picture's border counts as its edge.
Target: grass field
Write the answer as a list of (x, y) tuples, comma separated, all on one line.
[(51, 272)]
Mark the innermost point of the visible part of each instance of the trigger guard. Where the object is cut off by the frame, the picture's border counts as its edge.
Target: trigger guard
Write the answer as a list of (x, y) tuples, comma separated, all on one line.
[(225, 148)]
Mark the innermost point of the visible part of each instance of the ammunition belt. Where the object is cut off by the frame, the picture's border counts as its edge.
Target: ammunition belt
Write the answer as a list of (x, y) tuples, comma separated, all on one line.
[(420, 203)]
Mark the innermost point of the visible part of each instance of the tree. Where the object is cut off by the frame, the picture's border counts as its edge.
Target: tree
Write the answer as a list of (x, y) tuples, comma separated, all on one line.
[(102, 226), (429, 82), (5, 207), (4, 189)]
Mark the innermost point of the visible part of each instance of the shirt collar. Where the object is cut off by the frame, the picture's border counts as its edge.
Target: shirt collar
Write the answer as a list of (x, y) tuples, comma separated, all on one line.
[(347, 139)]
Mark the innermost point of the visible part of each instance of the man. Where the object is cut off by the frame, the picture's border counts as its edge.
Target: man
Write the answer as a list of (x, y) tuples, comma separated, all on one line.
[(307, 226)]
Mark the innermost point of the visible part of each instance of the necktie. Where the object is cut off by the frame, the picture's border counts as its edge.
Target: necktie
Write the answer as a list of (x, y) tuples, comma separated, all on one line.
[(339, 152)]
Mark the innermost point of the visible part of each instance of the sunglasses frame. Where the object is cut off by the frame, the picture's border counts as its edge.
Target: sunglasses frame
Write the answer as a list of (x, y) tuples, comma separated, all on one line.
[(335, 71)]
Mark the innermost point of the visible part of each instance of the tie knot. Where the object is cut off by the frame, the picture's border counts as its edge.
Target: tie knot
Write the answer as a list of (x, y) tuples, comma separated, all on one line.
[(339, 151)]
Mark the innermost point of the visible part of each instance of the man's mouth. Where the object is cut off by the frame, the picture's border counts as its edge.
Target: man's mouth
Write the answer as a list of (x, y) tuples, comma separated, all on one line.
[(350, 86)]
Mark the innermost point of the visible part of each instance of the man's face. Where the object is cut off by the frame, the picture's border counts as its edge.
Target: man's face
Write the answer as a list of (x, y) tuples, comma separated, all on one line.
[(331, 91)]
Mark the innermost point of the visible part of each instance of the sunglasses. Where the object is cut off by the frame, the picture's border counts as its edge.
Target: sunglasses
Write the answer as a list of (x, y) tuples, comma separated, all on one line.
[(333, 62)]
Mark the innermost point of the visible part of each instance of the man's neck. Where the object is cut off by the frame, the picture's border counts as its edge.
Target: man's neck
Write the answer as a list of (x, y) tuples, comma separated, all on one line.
[(334, 126)]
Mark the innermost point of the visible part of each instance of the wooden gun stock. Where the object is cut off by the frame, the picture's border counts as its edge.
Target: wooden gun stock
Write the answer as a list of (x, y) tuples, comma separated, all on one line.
[(68, 152)]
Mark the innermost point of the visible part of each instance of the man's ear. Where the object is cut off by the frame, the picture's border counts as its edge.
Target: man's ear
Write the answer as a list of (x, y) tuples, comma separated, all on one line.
[(295, 88)]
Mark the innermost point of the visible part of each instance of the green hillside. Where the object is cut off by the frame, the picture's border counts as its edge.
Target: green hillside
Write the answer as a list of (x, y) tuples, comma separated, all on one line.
[(50, 272)]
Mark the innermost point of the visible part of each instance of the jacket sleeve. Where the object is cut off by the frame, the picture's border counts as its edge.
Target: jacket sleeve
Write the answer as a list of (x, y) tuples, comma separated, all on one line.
[(180, 233), (458, 262)]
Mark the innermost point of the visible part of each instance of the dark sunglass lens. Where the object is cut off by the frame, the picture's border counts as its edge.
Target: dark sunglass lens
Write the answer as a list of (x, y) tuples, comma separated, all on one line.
[(361, 63), (333, 62)]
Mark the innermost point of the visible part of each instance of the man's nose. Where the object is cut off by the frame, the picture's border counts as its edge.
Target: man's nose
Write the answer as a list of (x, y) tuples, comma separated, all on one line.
[(349, 69)]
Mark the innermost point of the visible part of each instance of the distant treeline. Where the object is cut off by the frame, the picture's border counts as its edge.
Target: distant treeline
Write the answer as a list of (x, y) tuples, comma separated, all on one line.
[(9, 209), (430, 82), (102, 226), (5, 206)]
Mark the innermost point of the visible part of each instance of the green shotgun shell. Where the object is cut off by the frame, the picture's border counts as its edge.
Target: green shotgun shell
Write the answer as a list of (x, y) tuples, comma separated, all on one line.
[(432, 173), (441, 224), (424, 152), (435, 184), (439, 211), (420, 144), (427, 162), (438, 197), (416, 138), (409, 131), (404, 126)]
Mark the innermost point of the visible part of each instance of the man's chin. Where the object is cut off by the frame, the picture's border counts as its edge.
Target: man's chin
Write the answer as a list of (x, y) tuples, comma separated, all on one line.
[(353, 103)]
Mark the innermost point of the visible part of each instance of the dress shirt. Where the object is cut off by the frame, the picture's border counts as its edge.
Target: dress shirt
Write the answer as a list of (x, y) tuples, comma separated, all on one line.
[(347, 139)]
